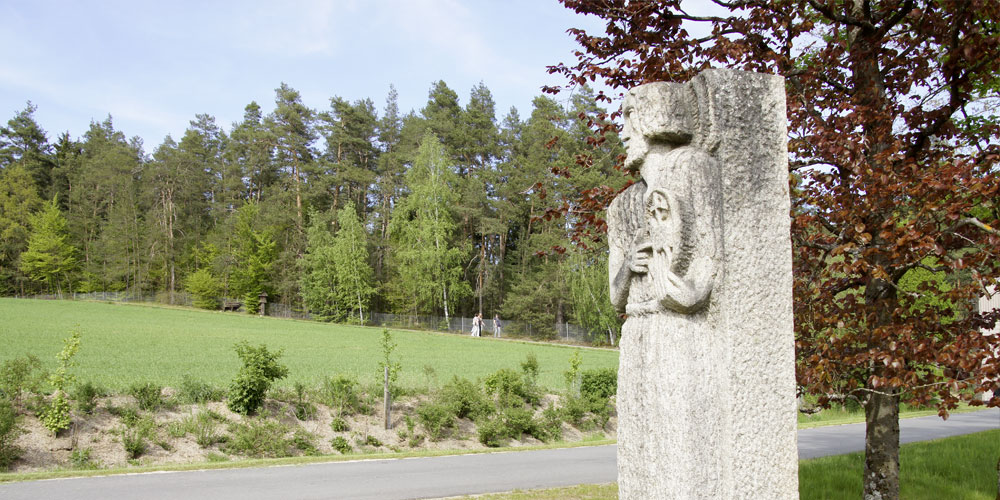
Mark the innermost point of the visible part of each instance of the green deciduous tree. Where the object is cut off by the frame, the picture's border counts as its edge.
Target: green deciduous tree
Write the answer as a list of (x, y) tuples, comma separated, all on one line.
[(896, 147), (50, 258), (350, 254), (18, 200), (428, 262)]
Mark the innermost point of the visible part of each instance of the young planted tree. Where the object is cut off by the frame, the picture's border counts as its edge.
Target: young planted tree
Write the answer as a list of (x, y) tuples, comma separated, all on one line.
[(895, 158)]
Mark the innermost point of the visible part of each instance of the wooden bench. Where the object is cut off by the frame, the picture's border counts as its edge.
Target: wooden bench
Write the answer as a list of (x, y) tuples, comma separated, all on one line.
[(231, 306)]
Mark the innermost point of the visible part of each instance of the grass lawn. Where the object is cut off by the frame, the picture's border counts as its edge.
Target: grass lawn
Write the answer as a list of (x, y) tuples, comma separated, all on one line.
[(122, 344), (958, 468)]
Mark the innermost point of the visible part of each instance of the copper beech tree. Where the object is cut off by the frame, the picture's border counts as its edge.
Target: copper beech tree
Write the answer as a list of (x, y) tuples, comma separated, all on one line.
[(893, 150)]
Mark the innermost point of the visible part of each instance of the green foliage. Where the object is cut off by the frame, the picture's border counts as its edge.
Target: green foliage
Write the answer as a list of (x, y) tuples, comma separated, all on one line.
[(350, 260), (49, 258), (572, 375), (205, 288), (9, 431), (195, 391), (509, 388), (19, 199), (429, 258), (260, 368), (464, 398), (509, 423), (128, 414), (342, 394), (259, 438), (341, 444), (587, 274), (19, 376), (599, 384), (387, 361), (255, 252), (85, 394), (436, 418), (305, 441), (304, 409), (370, 440), (134, 435), (204, 426), (56, 415), (80, 459), (529, 367), (147, 395), (338, 424)]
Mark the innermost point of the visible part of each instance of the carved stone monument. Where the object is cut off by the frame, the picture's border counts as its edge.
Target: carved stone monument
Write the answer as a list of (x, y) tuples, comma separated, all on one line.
[(701, 263)]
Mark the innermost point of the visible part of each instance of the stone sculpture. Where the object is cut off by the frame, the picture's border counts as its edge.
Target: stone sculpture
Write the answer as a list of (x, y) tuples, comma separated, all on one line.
[(700, 261)]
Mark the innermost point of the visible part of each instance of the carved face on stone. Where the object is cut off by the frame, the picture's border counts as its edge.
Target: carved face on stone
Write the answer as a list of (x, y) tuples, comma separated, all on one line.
[(657, 113), (664, 223)]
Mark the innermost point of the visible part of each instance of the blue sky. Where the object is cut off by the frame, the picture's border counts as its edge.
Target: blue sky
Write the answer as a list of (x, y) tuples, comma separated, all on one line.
[(153, 65)]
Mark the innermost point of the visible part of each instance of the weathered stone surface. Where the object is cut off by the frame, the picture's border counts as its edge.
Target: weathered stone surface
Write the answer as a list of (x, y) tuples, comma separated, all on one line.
[(700, 260)]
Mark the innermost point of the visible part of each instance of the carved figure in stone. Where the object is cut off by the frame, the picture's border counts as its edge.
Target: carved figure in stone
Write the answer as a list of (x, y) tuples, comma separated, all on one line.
[(662, 229)]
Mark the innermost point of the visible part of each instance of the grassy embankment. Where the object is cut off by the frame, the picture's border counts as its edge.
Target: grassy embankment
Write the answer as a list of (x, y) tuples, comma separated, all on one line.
[(124, 344)]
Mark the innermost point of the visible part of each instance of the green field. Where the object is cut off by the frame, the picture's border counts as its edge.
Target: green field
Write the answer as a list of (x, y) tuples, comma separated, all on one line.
[(122, 344)]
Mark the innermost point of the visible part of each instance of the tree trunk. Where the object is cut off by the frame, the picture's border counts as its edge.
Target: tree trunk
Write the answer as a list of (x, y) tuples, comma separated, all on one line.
[(881, 476)]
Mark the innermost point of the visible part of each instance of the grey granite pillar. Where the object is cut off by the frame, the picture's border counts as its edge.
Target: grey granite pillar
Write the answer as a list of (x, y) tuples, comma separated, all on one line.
[(700, 260)]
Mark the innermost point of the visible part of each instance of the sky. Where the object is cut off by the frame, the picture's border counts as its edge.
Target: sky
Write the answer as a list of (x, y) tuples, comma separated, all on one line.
[(154, 65)]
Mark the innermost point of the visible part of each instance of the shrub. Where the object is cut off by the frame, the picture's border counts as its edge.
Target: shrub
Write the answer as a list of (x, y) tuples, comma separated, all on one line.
[(259, 438), (148, 395), (305, 441), (128, 414), (9, 430), (509, 423), (575, 409), (549, 427), (55, 415), (529, 367), (204, 427), (260, 368), (436, 418), (508, 388), (80, 459), (599, 384), (572, 375), (134, 442), (134, 435), (196, 391), (340, 444), (304, 409), (205, 288), (338, 424), (85, 396), (19, 376), (370, 440), (464, 398), (342, 393)]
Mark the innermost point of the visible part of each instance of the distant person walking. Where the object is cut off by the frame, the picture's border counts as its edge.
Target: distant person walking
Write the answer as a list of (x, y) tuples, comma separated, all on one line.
[(496, 325), (477, 325)]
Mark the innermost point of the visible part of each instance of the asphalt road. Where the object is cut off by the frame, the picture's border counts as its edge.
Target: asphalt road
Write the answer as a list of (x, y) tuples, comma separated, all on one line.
[(436, 477)]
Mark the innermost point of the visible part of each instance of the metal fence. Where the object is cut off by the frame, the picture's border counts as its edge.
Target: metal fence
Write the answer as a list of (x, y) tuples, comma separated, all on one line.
[(564, 332)]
